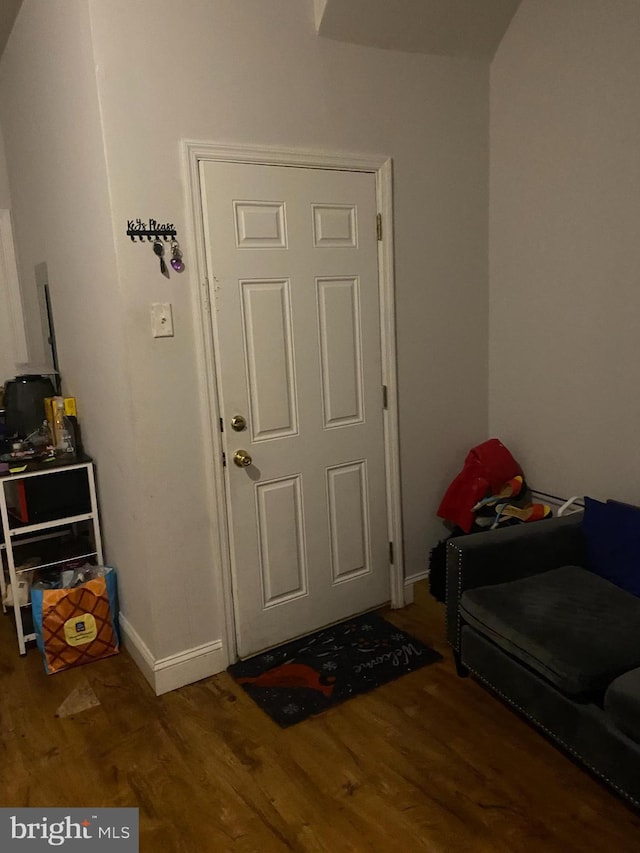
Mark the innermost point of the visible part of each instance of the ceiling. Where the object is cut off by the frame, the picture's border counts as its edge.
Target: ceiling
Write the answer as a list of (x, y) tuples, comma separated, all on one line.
[(446, 27), (471, 28), (8, 11)]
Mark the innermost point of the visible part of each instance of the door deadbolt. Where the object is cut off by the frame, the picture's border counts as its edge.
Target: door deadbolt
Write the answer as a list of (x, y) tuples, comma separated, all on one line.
[(238, 423), (242, 459)]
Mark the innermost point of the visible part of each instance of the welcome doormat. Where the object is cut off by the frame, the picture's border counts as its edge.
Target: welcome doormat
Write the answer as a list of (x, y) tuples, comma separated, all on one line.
[(314, 673)]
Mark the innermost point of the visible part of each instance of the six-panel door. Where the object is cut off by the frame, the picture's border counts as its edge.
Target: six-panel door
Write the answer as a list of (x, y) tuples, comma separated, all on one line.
[(292, 259)]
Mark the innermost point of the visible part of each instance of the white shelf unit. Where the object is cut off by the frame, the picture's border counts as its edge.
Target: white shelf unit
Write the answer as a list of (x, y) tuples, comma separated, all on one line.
[(16, 535)]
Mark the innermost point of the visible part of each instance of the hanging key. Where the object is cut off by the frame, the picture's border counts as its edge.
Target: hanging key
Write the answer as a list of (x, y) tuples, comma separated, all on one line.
[(158, 248)]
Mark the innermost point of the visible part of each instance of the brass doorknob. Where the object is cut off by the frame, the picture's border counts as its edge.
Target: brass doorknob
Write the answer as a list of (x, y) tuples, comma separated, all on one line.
[(242, 458)]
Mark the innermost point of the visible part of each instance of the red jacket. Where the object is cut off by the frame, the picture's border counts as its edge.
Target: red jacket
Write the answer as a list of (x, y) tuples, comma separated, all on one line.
[(486, 468)]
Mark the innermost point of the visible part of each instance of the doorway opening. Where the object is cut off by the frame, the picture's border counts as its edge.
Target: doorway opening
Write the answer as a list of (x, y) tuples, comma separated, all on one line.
[(251, 360)]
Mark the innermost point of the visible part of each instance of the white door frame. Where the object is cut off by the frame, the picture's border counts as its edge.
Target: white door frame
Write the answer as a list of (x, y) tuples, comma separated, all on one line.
[(208, 357)]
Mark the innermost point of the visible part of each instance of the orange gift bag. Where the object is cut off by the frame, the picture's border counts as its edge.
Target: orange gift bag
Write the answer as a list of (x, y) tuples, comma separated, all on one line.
[(77, 625)]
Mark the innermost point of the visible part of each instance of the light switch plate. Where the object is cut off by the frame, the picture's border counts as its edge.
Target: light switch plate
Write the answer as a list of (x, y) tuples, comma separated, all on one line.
[(161, 320)]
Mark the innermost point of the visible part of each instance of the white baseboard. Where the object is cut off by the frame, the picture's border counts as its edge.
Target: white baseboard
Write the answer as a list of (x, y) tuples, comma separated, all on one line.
[(138, 649), (165, 674), (186, 667), (409, 585), (419, 576)]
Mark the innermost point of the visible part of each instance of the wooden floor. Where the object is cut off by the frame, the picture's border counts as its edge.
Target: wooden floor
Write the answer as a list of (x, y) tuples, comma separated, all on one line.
[(429, 762)]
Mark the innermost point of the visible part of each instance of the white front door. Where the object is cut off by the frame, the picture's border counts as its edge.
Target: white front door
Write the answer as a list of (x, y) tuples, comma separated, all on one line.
[(292, 263)]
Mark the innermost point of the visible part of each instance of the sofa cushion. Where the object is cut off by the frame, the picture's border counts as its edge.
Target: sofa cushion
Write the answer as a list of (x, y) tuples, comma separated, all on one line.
[(622, 703), (572, 627), (612, 537)]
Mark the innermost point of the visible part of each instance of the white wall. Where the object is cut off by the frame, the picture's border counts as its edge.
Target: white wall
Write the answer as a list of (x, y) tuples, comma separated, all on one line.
[(60, 211), (5, 193), (252, 72), (565, 250), (9, 354), (13, 344), (443, 27), (249, 72)]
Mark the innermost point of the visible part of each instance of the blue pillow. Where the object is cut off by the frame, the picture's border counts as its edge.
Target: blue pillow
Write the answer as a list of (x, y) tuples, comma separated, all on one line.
[(612, 535)]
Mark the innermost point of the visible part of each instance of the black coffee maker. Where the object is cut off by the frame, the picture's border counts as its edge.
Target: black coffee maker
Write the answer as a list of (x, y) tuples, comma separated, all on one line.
[(24, 404)]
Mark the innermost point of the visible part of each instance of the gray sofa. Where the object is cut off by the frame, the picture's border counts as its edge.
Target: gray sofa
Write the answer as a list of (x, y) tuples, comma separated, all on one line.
[(554, 640)]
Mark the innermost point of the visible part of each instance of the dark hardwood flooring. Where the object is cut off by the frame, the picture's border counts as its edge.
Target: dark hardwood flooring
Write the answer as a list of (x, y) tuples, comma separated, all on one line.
[(428, 762)]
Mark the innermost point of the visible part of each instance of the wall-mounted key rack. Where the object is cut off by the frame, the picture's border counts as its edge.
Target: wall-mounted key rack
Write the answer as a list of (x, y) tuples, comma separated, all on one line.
[(153, 230)]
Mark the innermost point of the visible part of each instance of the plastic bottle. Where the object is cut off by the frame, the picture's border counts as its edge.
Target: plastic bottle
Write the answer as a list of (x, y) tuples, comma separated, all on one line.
[(58, 422), (61, 427), (69, 436)]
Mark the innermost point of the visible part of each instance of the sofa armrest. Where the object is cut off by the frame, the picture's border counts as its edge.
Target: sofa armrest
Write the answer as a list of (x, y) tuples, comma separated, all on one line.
[(496, 556)]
